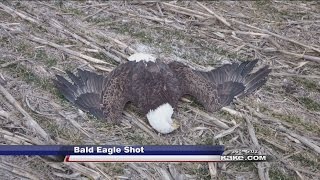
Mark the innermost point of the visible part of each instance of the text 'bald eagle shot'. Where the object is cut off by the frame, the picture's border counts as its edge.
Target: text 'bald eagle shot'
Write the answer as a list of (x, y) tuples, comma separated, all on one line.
[(155, 88)]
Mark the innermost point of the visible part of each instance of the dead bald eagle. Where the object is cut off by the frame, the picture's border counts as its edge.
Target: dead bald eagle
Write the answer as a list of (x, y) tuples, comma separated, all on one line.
[(155, 88)]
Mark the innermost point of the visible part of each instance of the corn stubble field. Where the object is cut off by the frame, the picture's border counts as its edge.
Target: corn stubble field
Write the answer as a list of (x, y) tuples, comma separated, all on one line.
[(40, 39)]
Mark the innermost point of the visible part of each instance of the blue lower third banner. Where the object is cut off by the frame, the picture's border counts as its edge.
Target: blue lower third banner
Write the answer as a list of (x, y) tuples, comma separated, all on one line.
[(107, 153)]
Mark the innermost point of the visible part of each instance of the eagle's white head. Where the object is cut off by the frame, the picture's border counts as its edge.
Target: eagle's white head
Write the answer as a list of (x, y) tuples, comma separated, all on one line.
[(160, 119), (142, 57)]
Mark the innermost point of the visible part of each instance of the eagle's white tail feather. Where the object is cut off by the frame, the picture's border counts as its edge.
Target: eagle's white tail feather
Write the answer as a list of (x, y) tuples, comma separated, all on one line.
[(160, 119)]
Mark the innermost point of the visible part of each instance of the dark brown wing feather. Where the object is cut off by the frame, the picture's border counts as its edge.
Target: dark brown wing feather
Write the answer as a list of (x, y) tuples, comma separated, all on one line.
[(196, 85), (103, 97), (84, 91), (217, 88)]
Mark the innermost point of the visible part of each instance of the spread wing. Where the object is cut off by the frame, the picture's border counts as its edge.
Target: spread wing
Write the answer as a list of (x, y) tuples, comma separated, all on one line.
[(84, 90), (217, 88), (101, 96)]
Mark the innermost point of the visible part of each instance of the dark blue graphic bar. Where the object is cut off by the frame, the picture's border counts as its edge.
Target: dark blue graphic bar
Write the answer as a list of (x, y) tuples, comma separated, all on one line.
[(109, 150)]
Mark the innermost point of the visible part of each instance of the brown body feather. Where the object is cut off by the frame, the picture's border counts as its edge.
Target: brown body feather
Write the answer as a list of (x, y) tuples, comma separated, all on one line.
[(146, 84)]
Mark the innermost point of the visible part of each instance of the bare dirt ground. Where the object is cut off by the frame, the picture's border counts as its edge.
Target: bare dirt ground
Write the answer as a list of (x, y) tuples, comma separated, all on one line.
[(40, 39)]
